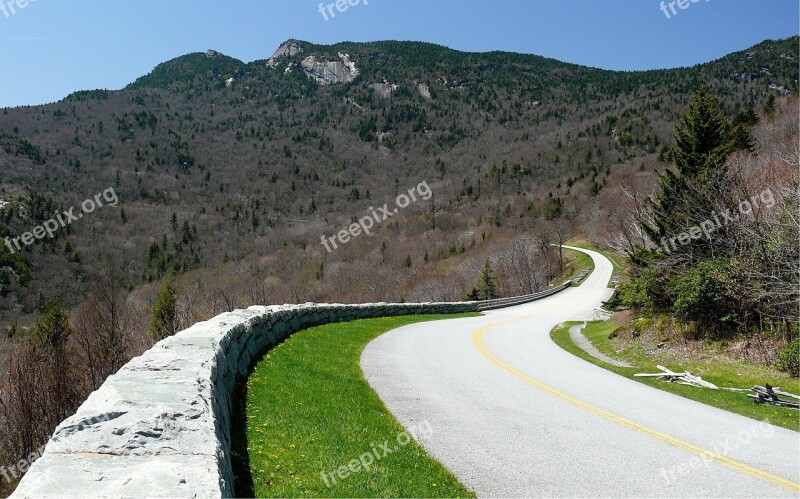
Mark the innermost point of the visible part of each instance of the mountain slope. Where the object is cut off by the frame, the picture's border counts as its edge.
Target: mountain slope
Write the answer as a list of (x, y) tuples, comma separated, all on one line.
[(228, 177)]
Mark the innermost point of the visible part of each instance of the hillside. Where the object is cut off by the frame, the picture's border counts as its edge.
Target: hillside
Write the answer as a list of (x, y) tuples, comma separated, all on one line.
[(229, 173)]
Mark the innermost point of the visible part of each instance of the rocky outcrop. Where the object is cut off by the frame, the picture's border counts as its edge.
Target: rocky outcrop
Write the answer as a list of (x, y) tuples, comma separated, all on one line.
[(330, 72), (288, 49), (160, 427), (383, 90), (323, 71), (424, 91)]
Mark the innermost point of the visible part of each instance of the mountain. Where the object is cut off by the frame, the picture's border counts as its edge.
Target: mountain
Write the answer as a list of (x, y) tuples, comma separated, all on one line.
[(228, 173)]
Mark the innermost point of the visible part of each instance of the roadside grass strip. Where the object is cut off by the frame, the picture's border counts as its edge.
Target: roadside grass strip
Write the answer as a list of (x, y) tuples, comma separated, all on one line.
[(582, 262), (716, 457), (311, 426), (722, 374)]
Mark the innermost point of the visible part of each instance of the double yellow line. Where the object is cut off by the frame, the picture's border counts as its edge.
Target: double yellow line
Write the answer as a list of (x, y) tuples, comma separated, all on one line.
[(477, 340)]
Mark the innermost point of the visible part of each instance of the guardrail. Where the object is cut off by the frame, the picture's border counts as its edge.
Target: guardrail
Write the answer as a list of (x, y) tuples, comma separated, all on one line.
[(160, 427), (519, 300), (582, 275)]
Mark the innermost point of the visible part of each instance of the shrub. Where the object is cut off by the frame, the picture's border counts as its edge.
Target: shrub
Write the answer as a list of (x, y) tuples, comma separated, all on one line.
[(789, 358), (613, 334), (709, 295)]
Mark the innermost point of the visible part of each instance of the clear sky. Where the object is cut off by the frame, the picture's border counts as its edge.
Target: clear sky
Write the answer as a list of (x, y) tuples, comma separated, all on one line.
[(49, 48)]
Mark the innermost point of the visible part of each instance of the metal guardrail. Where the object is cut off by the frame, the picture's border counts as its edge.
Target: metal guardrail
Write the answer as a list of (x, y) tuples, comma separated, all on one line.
[(519, 300), (582, 275)]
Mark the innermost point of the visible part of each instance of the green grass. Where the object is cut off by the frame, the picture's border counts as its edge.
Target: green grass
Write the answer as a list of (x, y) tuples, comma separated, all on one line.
[(580, 261), (721, 373), (613, 258), (309, 410)]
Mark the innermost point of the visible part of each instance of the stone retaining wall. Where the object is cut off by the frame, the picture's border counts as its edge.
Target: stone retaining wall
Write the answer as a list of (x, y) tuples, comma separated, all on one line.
[(160, 427)]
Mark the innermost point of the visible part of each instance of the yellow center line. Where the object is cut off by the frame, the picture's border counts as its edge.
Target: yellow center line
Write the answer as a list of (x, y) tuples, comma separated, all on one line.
[(477, 340)]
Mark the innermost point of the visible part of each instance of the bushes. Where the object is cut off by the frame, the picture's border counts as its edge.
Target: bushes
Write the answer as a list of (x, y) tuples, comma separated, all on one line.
[(646, 292), (709, 294), (738, 275), (789, 358), (615, 333)]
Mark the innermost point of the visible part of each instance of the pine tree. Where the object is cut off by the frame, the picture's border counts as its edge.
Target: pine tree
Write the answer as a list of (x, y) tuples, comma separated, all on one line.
[(164, 322), (53, 330), (487, 287), (703, 141), (770, 108), (741, 124), (50, 337), (702, 138)]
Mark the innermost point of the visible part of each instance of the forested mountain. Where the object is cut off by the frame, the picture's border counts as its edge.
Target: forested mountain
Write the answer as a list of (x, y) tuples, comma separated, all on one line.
[(389, 171), (228, 173)]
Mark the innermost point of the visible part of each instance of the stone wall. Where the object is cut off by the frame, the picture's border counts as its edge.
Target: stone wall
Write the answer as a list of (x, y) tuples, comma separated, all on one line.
[(160, 427)]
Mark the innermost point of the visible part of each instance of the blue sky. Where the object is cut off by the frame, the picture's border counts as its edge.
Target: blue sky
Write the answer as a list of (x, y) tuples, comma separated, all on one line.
[(50, 48)]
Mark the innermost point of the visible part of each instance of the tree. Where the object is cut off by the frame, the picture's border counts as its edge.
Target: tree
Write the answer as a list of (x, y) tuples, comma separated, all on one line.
[(524, 267), (563, 232), (703, 141), (487, 283), (54, 364), (552, 207), (485, 288), (53, 330), (735, 278), (103, 326), (741, 124), (769, 107), (702, 137), (12, 331), (165, 321)]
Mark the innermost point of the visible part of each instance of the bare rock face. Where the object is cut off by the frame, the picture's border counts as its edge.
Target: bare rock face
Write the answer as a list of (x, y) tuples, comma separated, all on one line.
[(330, 72), (383, 90), (288, 49), (424, 91), (323, 71)]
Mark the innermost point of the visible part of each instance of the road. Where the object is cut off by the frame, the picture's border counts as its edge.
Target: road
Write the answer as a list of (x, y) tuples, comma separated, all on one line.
[(514, 415)]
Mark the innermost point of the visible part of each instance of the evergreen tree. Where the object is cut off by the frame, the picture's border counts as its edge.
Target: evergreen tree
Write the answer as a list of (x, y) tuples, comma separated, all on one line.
[(472, 294), (693, 280), (487, 288), (164, 322), (53, 330), (742, 124), (770, 108), (702, 138), (703, 141), (57, 376)]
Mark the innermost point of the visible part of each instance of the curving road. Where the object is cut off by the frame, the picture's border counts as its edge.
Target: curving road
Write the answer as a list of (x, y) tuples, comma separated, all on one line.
[(514, 415)]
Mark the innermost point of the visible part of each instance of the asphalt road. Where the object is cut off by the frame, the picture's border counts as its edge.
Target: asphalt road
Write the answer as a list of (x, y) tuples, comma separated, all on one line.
[(514, 415)]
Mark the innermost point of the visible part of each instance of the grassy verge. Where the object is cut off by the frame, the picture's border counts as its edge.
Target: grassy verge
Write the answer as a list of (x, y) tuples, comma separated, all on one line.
[(613, 258), (308, 410), (577, 261), (719, 372)]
